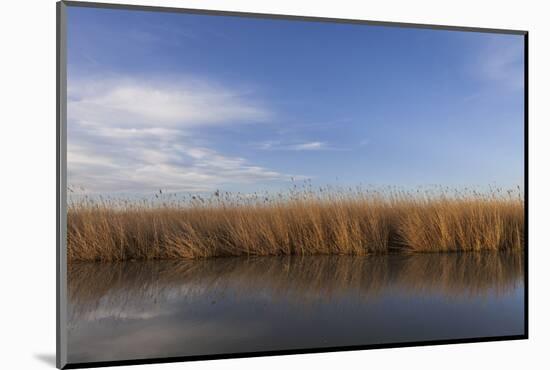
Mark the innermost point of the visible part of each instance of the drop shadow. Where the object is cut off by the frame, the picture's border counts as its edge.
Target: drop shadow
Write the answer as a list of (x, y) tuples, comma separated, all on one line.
[(47, 358)]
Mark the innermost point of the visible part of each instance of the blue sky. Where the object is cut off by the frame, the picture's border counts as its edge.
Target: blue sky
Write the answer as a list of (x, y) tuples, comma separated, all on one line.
[(196, 103)]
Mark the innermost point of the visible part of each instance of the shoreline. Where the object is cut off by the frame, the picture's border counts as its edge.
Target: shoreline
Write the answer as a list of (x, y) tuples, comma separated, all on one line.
[(518, 250)]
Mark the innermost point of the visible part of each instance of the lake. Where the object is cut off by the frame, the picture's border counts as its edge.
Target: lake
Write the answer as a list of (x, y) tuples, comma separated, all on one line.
[(152, 309)]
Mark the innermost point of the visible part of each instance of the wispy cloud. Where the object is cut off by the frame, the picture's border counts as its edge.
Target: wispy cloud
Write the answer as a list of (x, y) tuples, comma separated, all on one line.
[(314, 145), (131, 103), (296, 146), (502, 62), (140, 135)]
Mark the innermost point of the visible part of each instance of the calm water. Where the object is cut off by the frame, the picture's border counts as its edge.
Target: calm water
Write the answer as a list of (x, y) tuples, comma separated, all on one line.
[(137, 310)]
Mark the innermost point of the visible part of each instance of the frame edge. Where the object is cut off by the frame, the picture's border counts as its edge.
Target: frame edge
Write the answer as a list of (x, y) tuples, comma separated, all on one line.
[(294, 17), (61, 191)]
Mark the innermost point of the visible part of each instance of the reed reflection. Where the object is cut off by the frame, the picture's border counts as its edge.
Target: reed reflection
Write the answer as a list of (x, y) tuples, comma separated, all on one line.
[(120, 289)]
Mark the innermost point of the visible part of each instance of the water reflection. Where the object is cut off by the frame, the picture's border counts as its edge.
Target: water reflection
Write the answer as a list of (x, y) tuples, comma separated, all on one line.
[(176, 308)]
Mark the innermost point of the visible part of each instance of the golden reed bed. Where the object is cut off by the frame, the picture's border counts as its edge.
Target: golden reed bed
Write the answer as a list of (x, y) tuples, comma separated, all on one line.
[(302, 222)]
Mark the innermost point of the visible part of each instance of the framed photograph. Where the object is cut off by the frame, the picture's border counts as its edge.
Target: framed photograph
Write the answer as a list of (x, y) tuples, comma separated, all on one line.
[(236, 185)]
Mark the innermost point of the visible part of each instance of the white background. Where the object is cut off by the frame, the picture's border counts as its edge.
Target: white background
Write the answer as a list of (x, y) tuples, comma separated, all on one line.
[(27, 188)]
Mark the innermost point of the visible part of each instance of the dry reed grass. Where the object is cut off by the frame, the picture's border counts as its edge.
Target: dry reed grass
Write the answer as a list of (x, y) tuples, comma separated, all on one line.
[(303, 222)]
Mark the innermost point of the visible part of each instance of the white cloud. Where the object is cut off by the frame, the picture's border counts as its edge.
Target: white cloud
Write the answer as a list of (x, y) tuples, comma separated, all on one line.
[(131, 103), (302, 146), (314, 145), (139, 136), (502, 61)]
